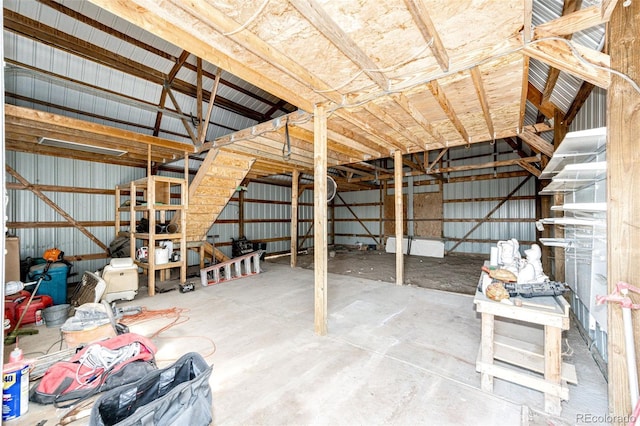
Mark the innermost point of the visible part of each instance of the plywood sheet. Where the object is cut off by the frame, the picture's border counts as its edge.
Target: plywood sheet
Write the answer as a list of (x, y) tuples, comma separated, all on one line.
[(427, 206)]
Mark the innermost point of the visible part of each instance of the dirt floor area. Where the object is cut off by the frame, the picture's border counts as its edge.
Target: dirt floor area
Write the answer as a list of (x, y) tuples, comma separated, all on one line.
[(456, 273)]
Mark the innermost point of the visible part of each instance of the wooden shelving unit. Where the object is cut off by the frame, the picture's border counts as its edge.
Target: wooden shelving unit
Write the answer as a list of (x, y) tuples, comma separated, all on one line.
[(157, 207)]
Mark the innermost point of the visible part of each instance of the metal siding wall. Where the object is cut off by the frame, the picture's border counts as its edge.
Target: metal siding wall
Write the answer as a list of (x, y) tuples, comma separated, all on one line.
[(24, 206), (362, 212), (523, 231)]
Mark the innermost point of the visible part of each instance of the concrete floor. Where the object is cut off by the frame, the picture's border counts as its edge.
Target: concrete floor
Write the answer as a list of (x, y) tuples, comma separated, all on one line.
[(400, 355)]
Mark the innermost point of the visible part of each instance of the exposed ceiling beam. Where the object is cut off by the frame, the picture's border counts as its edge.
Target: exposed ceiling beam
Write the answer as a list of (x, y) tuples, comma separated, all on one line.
[(221, 23), (537, 143), (582, 96), (404, 102), (381, 114), (535, 97), (571, 23), (558, 54), (438, 158), (482, 97), (35, 30), (446, 106), (420, 14), (530, 168), (516, 147), (173, 25), (319, 18)]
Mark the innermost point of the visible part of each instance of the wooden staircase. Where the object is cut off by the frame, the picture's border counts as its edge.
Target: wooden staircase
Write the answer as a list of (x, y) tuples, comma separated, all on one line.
[(213, 186)]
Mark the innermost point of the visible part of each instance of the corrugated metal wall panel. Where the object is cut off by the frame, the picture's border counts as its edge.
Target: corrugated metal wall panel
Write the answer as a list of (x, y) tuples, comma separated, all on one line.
[(26, 207)]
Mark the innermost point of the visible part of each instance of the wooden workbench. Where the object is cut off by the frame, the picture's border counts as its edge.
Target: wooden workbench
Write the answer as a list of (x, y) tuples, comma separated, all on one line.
[(550, 312)]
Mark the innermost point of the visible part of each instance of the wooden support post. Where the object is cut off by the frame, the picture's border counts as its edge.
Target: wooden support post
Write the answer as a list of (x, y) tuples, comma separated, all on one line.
[(383, 192), (397, 182), (486, 349), (241, 214), (295, 181), (552, 366), (559, 132), (320, 218), (623, 194)]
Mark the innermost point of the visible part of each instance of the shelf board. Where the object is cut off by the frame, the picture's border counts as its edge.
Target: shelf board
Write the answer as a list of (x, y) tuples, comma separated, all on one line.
[(577, 147), (576, 176), (555, 242), (581, 207)]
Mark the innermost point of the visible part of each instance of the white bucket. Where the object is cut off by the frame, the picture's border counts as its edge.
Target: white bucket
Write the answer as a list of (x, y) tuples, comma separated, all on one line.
[(162, 256), (15, 390)]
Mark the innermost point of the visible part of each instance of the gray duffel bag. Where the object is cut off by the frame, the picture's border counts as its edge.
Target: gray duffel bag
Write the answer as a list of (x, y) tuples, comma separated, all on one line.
[(179, 394)]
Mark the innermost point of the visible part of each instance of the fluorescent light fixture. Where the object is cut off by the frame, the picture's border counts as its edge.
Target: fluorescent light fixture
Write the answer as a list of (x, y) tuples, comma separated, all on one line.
[(56, 143)]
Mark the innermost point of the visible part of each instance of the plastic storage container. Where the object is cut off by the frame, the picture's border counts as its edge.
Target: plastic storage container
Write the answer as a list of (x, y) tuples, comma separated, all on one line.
[(54, 283)]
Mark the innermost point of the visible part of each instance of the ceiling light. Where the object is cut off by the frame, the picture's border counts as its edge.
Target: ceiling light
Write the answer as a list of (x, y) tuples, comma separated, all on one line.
[(80, 147)]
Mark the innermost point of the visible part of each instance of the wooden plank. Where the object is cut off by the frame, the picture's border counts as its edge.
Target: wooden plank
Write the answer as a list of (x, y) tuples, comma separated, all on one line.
[(530, 168), (320, 220), (486, 350), (558, 54), (212, 98), (404, 103), (525, 92), (529, 356), (571, 23), (295, 198), (482, 97), (623, 195), (420, 14), (397, 183), (537, 143), (176, 26), (552, 366), (446, 106)]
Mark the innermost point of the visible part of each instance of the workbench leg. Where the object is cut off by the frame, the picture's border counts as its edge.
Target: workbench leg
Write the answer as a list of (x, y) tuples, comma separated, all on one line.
[(486, 350), (552, 366)]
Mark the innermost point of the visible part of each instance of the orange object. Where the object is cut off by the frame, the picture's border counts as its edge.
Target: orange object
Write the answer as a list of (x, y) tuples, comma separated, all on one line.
[(52, 255)]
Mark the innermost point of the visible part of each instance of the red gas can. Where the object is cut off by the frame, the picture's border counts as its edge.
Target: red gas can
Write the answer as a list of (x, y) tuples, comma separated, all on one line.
[(11, 309), (38, 303)]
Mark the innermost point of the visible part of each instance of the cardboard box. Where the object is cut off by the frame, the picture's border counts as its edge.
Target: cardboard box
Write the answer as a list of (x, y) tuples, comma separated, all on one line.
[(12, 259)]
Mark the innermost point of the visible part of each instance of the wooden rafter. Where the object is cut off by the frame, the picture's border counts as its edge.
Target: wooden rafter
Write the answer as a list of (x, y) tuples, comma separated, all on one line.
[(535, 97), (212, 98), (163, 96), (412, 164), (438, 158), (446, 106), (418, 117), (524, 94), (220, 22), (187, 125), (582, 96), (536, 143), (383, 115), (375, 134), (517, 147), (531, 168), (571, 22), (36, 30), (559, 55), (482, 97), (315, 14), (420, 14)]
